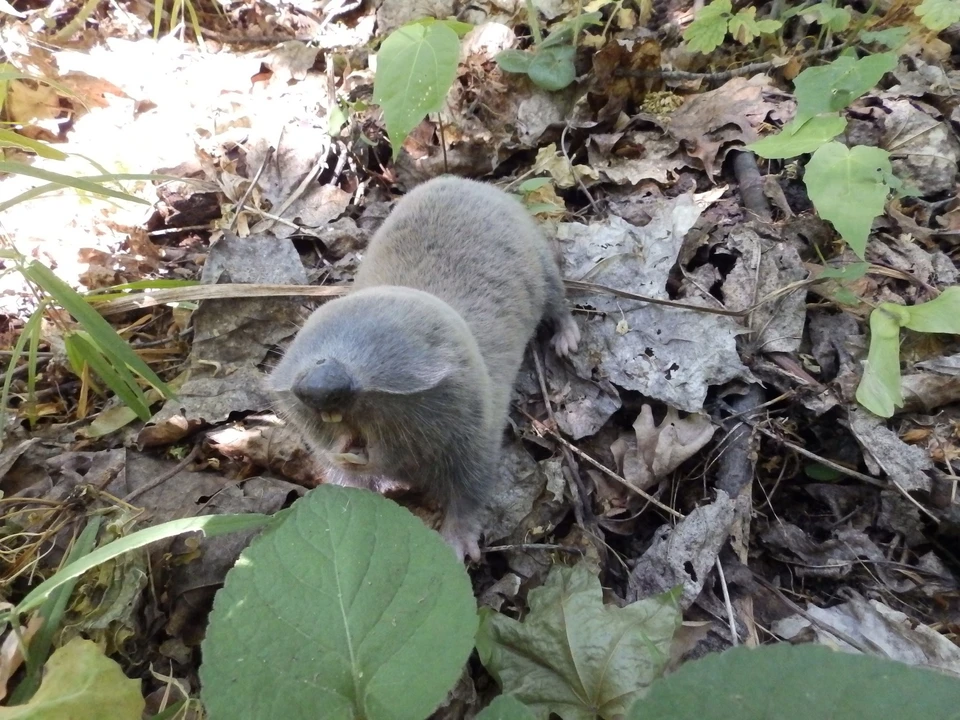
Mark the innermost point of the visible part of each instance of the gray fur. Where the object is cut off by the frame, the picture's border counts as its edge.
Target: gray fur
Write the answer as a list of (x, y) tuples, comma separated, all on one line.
[(418, 363)]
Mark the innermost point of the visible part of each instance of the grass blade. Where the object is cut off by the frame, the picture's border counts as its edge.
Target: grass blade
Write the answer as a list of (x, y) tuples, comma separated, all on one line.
[(52, 612), (28, 328), (101, 333), (66, 180), (117, 378), (209, 525)]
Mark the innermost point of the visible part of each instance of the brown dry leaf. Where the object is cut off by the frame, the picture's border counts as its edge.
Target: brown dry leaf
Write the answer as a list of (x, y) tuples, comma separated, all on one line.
[(712, 123), (563, 172), (658, 450), (29, 101), (614, 60)]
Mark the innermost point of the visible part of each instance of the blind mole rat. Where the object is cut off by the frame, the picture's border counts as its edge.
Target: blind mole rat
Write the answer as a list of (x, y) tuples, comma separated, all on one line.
[(407, 379)]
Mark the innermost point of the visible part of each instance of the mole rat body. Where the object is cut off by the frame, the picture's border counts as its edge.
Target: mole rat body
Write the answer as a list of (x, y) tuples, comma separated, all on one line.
[(407, 380)]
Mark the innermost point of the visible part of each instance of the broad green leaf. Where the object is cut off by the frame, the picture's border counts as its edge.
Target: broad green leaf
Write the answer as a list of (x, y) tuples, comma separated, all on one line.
[(102, 335), (357, 609), (709, 27), (52, 612), (506, 707), (172, 712), (574, 656), (514, 61), (879, 389), (847, 188), (892, 38), (836, 19), (416, 66), (81, 683), (799, 682), (938, 14), (830, 88), (552, 68), (745, 27), (799, 138), (8, 166), (850, 272), (940, 315), (8, 138), (209, 525)]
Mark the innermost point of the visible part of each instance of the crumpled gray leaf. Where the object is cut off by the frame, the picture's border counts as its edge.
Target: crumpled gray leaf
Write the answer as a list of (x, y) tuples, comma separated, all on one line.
[(665, 353), (764, 267), (685, 553), (884, 452), (892, 633)]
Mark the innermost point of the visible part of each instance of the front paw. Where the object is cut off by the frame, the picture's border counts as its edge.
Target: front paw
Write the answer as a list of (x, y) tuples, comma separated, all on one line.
[(464, 540), (567, 337)]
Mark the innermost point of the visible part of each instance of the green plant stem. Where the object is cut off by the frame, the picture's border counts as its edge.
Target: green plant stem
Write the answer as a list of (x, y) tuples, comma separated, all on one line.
[(533, 22), (864, 17)]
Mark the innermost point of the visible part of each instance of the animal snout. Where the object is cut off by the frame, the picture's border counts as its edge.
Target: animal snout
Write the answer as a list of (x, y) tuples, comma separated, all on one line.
[(327, 387)]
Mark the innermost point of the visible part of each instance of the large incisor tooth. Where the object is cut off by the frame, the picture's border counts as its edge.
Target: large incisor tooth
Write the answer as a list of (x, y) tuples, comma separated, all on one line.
[(331, 417), (351, 458)]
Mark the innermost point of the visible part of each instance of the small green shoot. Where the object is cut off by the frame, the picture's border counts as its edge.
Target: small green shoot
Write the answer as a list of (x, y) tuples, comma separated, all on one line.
[(550, 63), (879, 390), (712, 23), (938, 14)]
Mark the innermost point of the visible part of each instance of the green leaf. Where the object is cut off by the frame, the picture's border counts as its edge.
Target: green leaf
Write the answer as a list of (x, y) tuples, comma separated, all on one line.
[(514, 61), (745, 27), (209, 525), (102, 335), (799, 138), (879, 389), (81, 683), (821, 473), (506, 707), (847, 187), (574, 656), (844, 296), (8, 138), (7, 166), (836, 19), (847, 273), (528, 186), (799, 682), (460, 28), (940, 315), (709, 27), (552, 68), (833, 87), (892, 38), (938, 14), (416, 66), (356, 607), (565, 31)]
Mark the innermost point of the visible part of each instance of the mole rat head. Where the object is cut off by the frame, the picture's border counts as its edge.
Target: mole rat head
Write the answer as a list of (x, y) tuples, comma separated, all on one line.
[(360, 372)]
